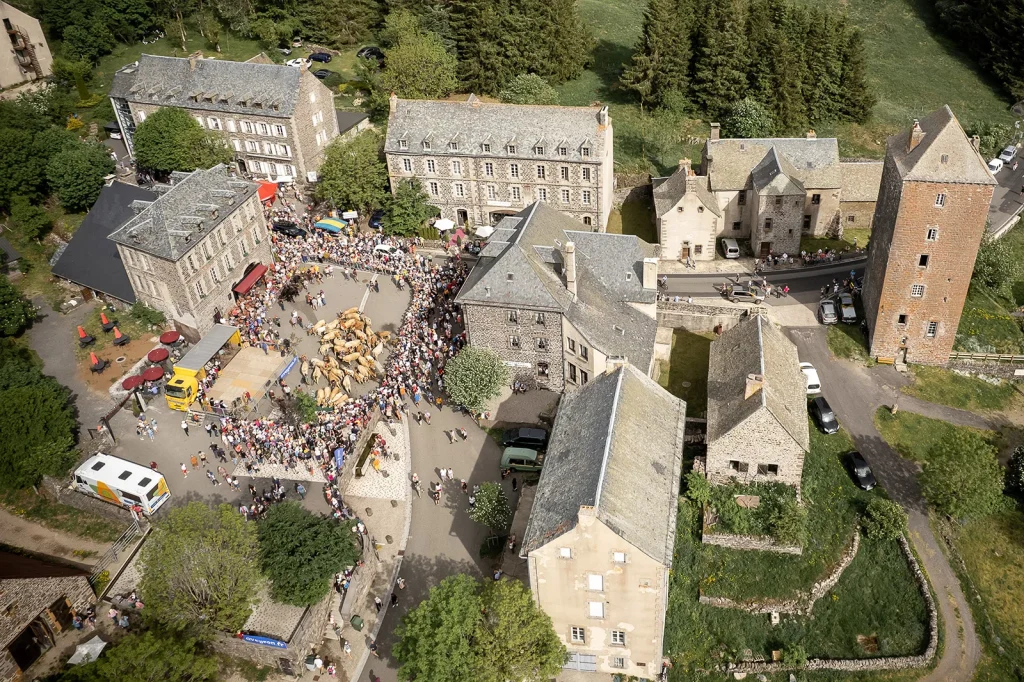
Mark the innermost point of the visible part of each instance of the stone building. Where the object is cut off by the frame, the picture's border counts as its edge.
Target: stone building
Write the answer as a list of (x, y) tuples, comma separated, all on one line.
[(38, 600), (757, 406), (600, 538), (30, 58), (277, 118), (861, 180), (479, 162), (769, 191), (186, 251), (561, 305), (929, 222)]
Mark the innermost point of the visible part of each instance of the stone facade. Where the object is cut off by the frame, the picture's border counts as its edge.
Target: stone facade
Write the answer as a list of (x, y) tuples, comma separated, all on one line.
[(479, 175), (777, 224), (857, 215), (701, 318), (30, 57), (928, 226), (746, 451), (516, 336)]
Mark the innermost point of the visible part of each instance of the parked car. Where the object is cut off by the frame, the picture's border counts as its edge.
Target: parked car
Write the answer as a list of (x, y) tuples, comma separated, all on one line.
[(288, 228), (298, 62), (827, 312), (322, 73), (739, 292), (861, 471), (1008, 153), (995, 165), (824, 416), (321, 57), (525, 437), (370, 52), (522, 459), (730, 248), (846, 309), (811, 374), (377, 219), (387, 249), (285, 50)]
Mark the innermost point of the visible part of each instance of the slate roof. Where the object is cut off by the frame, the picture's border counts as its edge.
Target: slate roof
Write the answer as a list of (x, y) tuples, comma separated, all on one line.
[(756, 346), (91, 259), (473, 123), (815, 161), (943, 136), (775, 176), (669, 191), (11, 253), (231, 87), (349, 119), (526, 272), (861, 180), (616, 446), (186, 212)]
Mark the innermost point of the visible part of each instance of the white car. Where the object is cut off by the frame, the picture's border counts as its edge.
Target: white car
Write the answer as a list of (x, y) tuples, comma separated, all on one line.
[(995, 165), (388, 250), (1006, 156), (811, 374), (298, 62)]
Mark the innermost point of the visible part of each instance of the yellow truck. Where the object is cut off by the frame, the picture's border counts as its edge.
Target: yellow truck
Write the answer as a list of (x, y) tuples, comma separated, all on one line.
[(183, 388)]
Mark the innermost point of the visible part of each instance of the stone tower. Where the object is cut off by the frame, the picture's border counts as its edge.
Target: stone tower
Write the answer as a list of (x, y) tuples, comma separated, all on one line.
[(929, 222)]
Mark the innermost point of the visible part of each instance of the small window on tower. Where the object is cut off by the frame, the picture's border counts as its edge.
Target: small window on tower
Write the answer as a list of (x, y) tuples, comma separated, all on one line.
[(901, 319), (922, 261), (944, 159), (940, 200), (932, 328)]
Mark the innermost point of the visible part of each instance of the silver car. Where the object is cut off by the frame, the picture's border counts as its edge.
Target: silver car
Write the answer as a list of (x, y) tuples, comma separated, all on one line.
[(827, 312), (1006, 156)]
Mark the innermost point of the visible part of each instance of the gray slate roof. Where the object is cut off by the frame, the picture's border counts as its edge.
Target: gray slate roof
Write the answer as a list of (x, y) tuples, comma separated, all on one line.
[(230, 87), (349, 119), (756, 346), (189, 210), (942, 136), (861, 180), (526, 272), (815, 161), (91, 259), (668, 192), (473, 123), (775, 176), (616, 446), (11, 254)]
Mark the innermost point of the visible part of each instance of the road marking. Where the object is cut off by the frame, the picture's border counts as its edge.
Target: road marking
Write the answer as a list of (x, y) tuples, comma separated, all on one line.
[(366, 294)]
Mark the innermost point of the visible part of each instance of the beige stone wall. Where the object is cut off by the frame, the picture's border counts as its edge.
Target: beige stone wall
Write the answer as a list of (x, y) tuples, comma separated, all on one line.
[(632, 593), (786, 217), (689, 224), (760, 439), (589, 362), (489, 327), (823, 213), (862, 212), (733, 212), (314, 113), (32, 39)]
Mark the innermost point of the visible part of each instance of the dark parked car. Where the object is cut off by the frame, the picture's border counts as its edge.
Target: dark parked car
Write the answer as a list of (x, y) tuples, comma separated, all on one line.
[(823, 414), (371, 52), (861, 471), (322, 73), (288, 228), (377, 219), (322, 57), (535, 439)]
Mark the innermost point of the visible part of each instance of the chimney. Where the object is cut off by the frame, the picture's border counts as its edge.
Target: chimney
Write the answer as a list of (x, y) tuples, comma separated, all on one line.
[(916, 135), (651, 273), (755, 382), (691, 181), (193, 58), (569, 257), (811, 135), (976, 143), (602, 116), (716, 130), (684, 165), (393, 102)]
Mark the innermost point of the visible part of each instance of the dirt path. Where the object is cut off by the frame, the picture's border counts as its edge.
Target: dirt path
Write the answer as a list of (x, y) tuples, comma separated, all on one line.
[(18, 532)]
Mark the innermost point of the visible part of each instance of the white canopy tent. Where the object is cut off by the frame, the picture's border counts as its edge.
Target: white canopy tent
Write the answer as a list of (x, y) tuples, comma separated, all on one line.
[(484, 231), (443, 225), (87, 652)]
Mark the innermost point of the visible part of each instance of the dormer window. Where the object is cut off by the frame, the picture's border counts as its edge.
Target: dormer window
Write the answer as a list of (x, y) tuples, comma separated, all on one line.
[(453, 146), (487, 147), (403, 144), (426, 145), (538, 150), (562, 151), (585, 151), (511, 149)]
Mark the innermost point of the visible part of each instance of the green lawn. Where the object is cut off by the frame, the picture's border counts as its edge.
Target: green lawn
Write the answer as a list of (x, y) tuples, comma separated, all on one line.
[(685, 375), (913, 436), (833, 505), (986, 327), (860, 234), (634, 218), (46, 512), (847, 341), (944, 387)]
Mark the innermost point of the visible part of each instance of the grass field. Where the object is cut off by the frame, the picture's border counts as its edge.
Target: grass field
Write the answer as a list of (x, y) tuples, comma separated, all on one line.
[(685, 375), (634, 217), (944, 387), (847, 341), (986, 327), (913, 436)]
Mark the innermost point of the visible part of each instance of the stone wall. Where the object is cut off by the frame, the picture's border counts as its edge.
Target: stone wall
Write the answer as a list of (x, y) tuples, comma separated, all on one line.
[(702, 318), (803, 603), (1002, 370), (51, 487), (749, 542), (489, 327)]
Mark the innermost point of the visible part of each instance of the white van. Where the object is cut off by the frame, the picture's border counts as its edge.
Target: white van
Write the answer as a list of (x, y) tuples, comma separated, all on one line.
[(730, 248)]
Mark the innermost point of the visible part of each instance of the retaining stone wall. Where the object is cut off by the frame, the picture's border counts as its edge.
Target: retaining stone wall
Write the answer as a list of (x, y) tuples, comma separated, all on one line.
[(58, 490), (1002, 370), (749, 542), (701, 318)]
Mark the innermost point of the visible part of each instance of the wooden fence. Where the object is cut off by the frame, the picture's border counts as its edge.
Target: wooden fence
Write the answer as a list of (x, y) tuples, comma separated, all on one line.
[(986, 357)]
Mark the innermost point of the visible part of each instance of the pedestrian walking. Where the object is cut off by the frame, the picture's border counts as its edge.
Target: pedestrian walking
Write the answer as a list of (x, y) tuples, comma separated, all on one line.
[(202, 457), (401, 583), (301, 490), (394, 599), (348, 649), (124, 622), (213, 479), (373, 649), (450, 474), (451, 436), (156, 427), (184, 470), (209, 429), (195, 461), (378, 603), (464, 486), (426, 418), (150, 433), (515, 484), (184, 426)]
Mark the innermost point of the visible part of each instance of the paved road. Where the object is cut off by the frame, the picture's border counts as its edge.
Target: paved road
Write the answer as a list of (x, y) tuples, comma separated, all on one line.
[(804, 285), (1007, 199), (855, 392)]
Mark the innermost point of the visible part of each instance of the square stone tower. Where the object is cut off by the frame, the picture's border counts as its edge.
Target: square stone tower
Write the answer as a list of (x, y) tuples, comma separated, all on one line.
[(929, 221)]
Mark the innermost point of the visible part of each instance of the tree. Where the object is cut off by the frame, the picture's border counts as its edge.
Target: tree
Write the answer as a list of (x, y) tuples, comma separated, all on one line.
[(719, 75), (467, 631), (200, 569), (477, 29), (149, 656), (29, 220), (475, 376), (1015, 471), (171, 140), (697, 488), (528, 88), (661, 61), (305, 407), (76, 174), (748, 118), (996, 265), (962, 477), (884, 519), (855, 93), (16, 311), (300, 553), (352, 174), (492, 509), (419, 67), (407, 209), (24, 171)]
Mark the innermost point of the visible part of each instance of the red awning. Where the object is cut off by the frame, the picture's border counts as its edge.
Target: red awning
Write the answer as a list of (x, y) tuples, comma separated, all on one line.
[(250, 279), (131, 382), (153, 374), (267, 191), (169, 338), (158, 354)]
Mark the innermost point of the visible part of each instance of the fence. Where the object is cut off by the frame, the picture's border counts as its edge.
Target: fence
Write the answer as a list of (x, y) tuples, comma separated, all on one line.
[(986, 357), (113, 554)]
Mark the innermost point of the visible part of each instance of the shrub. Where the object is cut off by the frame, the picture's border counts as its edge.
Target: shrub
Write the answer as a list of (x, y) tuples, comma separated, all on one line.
[(146, 315), (884, 519), (1015, 471), (697, 488)]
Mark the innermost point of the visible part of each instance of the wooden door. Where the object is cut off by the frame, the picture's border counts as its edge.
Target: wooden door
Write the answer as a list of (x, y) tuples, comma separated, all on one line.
[(766, 247)]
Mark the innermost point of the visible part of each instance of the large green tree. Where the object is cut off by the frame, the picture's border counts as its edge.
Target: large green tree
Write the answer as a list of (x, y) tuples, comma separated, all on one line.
[(24, 171), (962, 477), (200, 569), (300, 553), (419, 67), (16, 311), (171, 140), (492, 508), (719, 75), (661, 61), (150, 656), (480, 632), (528, 88), (353, 176), (475, 376), (407, 209), (76, 173), (748, 118)]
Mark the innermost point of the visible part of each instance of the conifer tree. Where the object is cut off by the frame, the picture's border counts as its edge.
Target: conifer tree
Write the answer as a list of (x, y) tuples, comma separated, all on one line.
[(566, 45), (661, 62), (719, 74), (856, 97), (477, 29)]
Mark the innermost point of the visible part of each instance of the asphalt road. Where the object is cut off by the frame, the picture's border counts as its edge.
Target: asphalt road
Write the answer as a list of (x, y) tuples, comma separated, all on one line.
[(1007, 198), (804, 285)]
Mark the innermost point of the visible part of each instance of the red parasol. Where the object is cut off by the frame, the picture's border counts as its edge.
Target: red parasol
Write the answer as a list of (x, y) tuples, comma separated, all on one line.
[(169, 338), (131, 383), (153, 374), (158, 354)]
